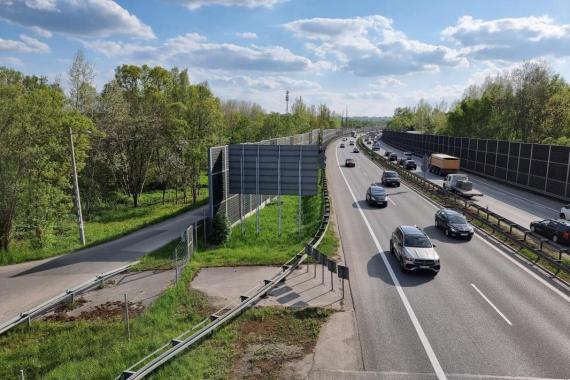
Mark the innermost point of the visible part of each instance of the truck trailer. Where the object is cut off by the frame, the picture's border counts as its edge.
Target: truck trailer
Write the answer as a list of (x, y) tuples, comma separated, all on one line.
[(443, 164)]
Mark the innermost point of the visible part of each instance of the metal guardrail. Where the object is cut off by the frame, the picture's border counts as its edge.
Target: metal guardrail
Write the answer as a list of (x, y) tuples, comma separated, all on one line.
[(187, 339), (519, 237), (68, 296)]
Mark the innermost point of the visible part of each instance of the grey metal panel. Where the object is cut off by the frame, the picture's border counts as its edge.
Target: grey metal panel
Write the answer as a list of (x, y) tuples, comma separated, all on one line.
[(266, 158)]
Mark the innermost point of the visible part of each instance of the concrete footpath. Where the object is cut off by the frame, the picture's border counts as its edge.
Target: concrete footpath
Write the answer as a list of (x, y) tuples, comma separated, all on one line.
[(23, 286)]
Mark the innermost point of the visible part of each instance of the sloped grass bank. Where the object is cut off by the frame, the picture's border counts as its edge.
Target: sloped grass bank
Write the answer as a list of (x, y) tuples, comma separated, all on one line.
[(100, 349)]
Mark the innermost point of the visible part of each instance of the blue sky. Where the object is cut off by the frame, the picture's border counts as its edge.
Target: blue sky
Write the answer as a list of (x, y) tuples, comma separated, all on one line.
[(367, 56)]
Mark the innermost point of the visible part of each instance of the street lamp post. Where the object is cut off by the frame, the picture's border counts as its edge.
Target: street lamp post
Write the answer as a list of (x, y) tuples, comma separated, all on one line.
[(76, 189)]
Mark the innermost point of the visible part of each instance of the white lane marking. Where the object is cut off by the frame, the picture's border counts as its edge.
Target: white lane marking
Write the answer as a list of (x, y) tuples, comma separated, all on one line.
[(477, 179), (492, 305), (390, 199), (419, 330), (506, 255), (536, 276)]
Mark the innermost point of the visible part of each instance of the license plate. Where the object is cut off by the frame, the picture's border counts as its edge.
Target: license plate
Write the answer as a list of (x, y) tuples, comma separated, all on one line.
[(424, 267), (464, 234)]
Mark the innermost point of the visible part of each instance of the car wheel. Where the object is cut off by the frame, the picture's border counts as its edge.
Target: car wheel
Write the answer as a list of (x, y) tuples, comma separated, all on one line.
[(398, 185), (555, 238), (447, 233), (402, 266), (563, 216), (532, 229), (435, 273), (391, 247)]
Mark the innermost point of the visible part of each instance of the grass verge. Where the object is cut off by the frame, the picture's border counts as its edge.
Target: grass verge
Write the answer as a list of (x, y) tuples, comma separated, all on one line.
[(99, 349), (104, 225)]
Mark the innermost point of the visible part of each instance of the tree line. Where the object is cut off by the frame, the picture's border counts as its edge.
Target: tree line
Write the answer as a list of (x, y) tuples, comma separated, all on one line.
[(530, 103), (148, 127)]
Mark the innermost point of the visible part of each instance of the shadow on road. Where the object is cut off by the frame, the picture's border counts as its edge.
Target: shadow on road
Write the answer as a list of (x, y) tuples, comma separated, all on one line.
[(435, 234), (376, 268)]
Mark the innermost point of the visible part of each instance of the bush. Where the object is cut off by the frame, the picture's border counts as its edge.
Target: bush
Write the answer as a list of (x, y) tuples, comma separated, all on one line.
[(221, 229)]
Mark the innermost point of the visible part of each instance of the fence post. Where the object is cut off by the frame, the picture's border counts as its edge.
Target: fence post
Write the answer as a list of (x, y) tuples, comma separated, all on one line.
[(127, 318)]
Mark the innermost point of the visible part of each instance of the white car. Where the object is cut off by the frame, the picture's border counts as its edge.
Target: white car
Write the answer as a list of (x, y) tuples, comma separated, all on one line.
[(565, 212)]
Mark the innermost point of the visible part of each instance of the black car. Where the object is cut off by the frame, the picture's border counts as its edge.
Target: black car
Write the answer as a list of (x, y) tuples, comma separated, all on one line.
[(453, 224), (408, 154), (410, 165), (342, 145), (557, 230), (351, 142), (350, 163), (355, 150), (402, 161), (390, 178), (387, 153), (393, 157), (376, 195)]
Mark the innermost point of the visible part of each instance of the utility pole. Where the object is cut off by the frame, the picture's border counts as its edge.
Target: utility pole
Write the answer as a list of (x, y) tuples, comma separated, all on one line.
[(76, 189), (287, 102)]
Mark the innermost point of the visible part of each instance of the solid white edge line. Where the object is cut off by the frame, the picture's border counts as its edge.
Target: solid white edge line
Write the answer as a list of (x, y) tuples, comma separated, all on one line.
[(419, 330), (505, 254), (492, 305)]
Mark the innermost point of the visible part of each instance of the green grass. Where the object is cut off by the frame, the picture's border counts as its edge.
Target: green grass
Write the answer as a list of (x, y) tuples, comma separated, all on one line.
[(99, 350), (104, 225), (329, 244), (246, 247)]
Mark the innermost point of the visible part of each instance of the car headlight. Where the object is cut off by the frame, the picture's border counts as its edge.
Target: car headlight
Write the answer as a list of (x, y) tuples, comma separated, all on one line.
[(452, 228)]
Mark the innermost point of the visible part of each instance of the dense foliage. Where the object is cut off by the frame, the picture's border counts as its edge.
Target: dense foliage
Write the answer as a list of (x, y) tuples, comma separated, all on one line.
[(530, 104), (149, 128)]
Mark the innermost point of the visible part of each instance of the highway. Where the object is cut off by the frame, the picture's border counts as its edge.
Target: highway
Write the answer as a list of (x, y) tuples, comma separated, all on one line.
[(486, 314), (519, 206), (26, 285)]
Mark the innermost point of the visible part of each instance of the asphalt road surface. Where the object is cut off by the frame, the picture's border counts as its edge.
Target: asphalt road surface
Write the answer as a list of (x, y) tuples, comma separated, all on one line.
[(519, 206), (486, 314), (26, 285)]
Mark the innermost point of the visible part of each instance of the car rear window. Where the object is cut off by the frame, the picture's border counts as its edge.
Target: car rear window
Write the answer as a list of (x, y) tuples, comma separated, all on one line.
[(457, 219), (391, 174)]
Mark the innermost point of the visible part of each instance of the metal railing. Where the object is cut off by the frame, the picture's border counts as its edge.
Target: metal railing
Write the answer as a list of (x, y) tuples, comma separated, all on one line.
[(67, 296), (519, 238), (197, 333)]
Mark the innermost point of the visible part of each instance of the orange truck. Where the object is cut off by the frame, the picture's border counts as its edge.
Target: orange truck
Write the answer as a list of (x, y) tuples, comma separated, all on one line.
[(443, 164)]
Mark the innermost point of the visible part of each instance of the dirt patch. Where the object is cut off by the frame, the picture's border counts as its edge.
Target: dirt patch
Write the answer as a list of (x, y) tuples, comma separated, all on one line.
[(108, 310), (264, 361)]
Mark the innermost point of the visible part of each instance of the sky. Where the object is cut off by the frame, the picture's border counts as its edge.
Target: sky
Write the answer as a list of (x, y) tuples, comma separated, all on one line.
[(367, 57)]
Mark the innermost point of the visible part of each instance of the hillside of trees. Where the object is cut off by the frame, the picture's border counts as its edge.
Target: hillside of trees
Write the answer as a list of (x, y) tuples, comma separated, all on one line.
[(531, 103), (148, 127)]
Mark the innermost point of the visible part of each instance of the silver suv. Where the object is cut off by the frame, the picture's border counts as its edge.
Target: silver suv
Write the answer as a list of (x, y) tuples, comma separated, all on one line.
[(413, 249)]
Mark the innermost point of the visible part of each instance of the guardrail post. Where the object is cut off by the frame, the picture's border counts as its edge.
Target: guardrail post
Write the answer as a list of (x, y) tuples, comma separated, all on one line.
[(22, 374)]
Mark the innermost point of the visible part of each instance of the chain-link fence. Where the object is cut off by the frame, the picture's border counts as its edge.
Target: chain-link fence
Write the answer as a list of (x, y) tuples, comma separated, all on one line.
[(537, 167)]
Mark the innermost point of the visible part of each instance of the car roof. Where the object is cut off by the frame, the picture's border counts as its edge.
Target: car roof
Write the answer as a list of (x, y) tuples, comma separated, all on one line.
[(411, 230)]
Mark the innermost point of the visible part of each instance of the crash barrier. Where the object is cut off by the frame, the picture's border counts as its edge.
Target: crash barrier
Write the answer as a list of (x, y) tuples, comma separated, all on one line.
[(181, 256), (540, 168), (332, 266), (555, 258), (206, 327)]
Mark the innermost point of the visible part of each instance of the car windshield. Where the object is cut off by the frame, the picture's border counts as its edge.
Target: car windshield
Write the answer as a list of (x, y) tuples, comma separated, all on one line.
[(350, 160), (417, 241), (457, 219), (377, 191)]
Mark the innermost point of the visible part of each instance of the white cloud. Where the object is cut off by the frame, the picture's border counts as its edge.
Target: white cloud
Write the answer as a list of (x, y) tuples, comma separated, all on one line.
[(26, 44), (510, 39), (195, 4), (11, 61), (370, 46), (194, 50), (263, 83), (387, 82), (99, 18), (41, 32), (247, 35)]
